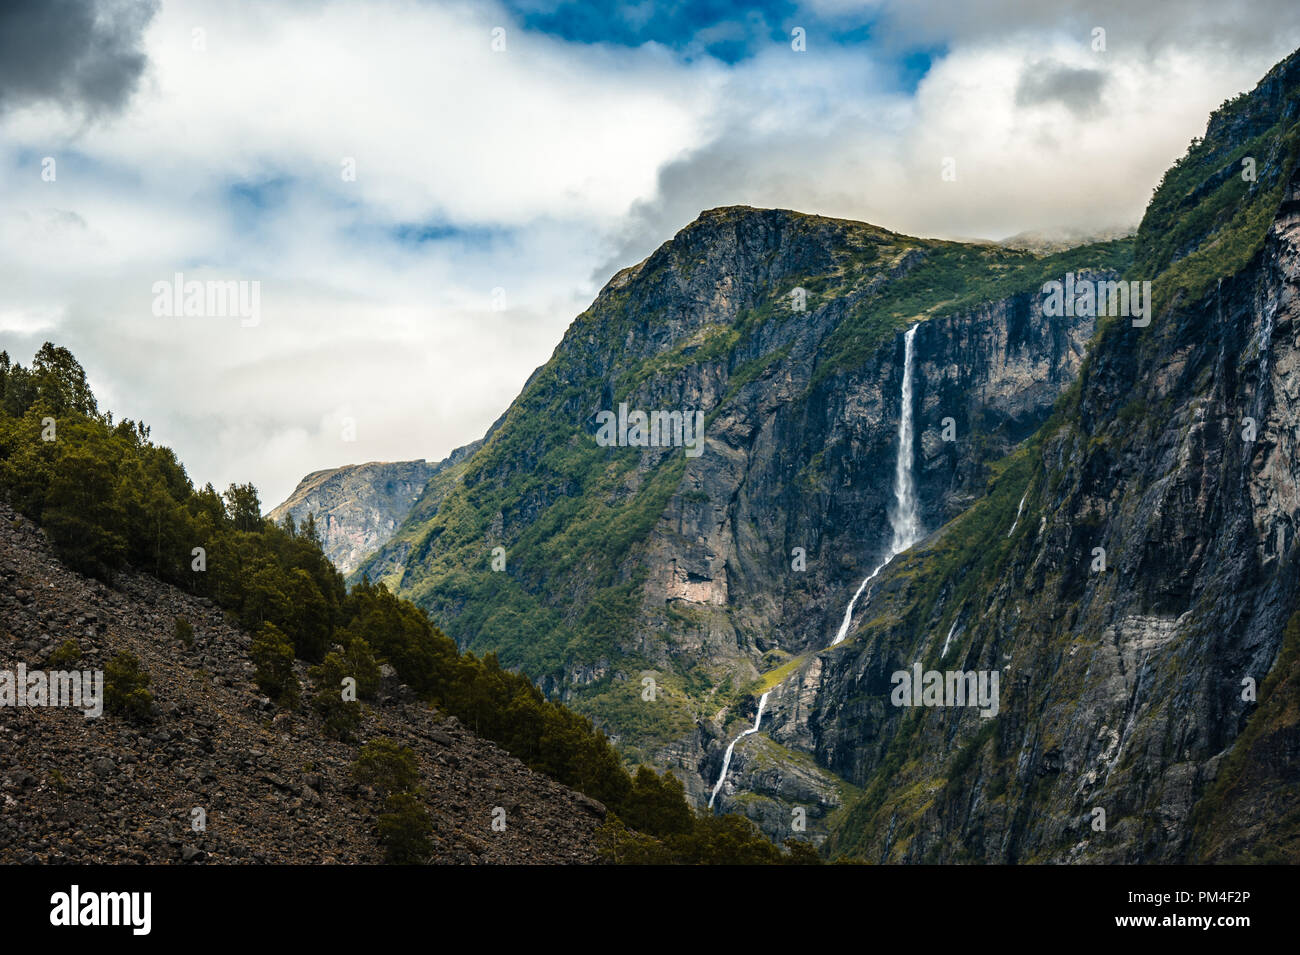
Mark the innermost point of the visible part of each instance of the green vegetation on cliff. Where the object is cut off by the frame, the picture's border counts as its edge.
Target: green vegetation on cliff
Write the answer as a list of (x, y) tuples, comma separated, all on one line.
[(564, 598)]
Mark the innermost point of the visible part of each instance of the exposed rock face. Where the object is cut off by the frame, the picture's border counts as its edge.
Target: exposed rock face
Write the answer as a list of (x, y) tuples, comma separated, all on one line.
[(1142, 598), (629, 563), (359, 507), (1122, 563), (1120, 690), (273, 790), (995, 371)]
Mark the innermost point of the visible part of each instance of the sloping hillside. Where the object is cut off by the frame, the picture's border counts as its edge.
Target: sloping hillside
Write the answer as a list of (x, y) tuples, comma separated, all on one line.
[(272, 788)]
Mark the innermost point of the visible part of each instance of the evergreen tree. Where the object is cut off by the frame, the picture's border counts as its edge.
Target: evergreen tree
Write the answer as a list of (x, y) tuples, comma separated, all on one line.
[(387, 765), (272, 655), (340, 717), (405, 829), (83, 516), (243, 507), (126, 687), (656, 804)]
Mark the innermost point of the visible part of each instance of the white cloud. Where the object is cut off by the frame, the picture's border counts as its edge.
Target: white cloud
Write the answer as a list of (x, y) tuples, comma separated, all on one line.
[(854, 146), (536, 151), (549, 165)]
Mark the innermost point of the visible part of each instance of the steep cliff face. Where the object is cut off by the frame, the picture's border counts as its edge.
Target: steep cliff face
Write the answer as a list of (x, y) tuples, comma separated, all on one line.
[(1129, 576), (1111, 537), (706, 574), (358, 507)]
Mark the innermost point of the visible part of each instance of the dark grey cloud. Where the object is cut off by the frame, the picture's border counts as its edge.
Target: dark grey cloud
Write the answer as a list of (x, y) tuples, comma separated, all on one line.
[(1046, 81), (81, 55), (739, 167)]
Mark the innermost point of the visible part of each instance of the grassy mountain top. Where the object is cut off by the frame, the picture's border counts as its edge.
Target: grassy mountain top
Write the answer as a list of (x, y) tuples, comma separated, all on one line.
[(1211, 211)]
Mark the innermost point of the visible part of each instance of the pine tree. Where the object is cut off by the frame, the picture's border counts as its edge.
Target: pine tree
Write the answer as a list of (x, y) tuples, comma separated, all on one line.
[(272, 654)]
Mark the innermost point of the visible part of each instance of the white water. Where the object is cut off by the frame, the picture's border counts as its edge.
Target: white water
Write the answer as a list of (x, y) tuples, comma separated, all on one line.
[(1020, 507), (906, 524), (903, 517), (848, 611), (951, 630), (726, 760)]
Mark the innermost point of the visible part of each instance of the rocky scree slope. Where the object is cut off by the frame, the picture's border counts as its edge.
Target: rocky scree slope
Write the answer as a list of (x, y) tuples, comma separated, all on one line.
[(77, 790)]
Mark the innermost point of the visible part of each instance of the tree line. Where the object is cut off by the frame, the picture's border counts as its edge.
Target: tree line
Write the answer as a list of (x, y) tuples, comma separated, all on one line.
[(109, 499)]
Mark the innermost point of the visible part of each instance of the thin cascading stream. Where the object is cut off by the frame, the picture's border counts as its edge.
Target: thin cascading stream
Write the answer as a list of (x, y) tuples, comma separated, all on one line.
[(726, 759), (951, 630), (1019, 507), (903, 517)]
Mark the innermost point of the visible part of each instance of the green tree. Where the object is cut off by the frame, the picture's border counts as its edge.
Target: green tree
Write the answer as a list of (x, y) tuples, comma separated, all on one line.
[(340, 717), (387, 765), (272, 655), (359, 663), (126, 687), (243, 507), (801, 852), (82, 515), (405, 829), (61, 382), (310, 621), (657, 804), (260, 590)]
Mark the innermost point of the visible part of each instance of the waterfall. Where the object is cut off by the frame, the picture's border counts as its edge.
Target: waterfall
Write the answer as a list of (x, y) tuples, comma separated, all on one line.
[(951, 630), (726, 759), (906, 524), (1019, 507), (903, 518)]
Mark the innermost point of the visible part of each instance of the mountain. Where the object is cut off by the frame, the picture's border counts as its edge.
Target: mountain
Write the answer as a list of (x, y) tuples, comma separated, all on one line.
[(1130, 574), (622, 564), (1111, 537), (358, 507)]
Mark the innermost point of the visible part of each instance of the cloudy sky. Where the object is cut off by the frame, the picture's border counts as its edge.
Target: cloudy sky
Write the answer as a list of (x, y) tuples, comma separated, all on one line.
[(508, 157)]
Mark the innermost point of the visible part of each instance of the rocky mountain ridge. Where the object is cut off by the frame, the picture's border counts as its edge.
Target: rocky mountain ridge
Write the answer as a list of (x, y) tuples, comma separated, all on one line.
[(358, 507)]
